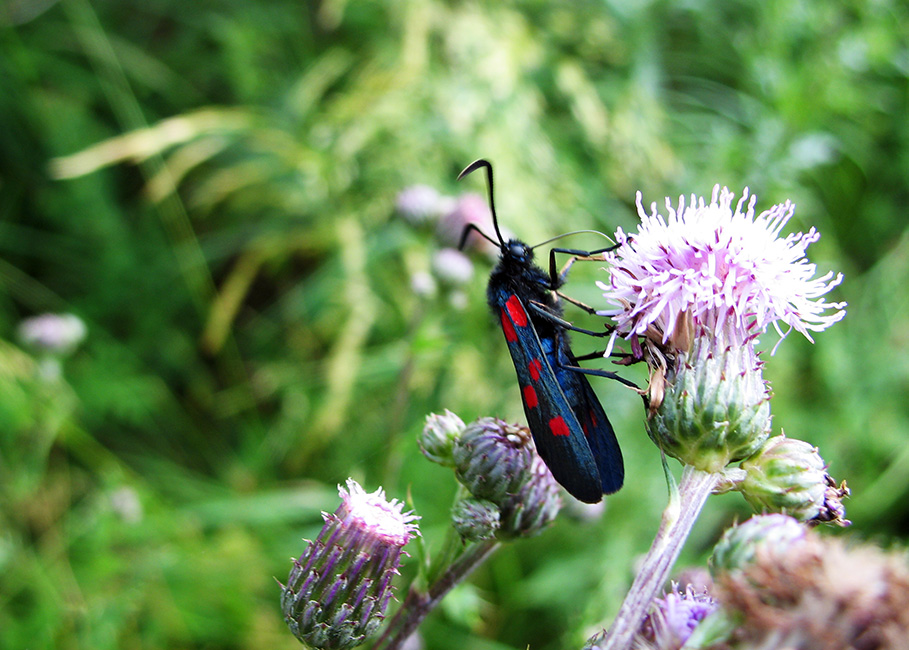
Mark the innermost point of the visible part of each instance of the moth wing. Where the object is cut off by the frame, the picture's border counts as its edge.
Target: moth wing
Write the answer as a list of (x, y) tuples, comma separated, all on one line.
[(553, 421), (599, 432)]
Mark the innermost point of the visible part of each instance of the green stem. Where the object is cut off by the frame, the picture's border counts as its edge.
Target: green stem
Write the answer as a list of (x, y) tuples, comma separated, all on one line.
[(419, 604), (678, 518)]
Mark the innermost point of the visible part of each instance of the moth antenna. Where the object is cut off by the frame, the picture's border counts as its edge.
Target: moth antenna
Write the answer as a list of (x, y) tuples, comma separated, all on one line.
[(574, 232), (475, 228), (472, 167)]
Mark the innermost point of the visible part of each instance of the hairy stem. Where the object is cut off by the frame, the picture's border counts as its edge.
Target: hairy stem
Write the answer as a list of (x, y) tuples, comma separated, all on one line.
[(678, 518), (419, 604)]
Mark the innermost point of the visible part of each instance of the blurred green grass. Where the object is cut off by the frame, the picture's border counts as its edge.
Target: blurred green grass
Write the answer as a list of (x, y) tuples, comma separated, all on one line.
[(211, 187)]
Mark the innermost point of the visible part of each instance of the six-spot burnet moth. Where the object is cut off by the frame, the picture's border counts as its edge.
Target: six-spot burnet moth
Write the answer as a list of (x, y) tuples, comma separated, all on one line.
[(568, 424)]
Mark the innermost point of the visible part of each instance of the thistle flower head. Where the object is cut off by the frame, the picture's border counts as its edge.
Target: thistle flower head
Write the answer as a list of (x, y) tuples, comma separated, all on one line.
[(772, 535), (534, 505), (709, 269), (673, 619), (492, 458), (693, 291), (338, 590), (438, 437), (475, 519), (820, 593), (789, 475)]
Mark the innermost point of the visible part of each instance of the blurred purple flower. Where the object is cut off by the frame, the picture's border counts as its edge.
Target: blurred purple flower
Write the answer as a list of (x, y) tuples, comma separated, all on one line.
[(469, 208), (53, 333), (452, 267), (419, 204)]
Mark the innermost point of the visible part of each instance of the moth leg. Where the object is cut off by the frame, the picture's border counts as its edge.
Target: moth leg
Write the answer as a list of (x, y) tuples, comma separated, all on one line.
[(603, 373), (556, 277), (541, 311), (577, 303), (624, 358)]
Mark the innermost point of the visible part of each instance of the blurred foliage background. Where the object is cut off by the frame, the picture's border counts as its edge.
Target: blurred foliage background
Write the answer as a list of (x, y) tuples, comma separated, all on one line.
[(211, 187)]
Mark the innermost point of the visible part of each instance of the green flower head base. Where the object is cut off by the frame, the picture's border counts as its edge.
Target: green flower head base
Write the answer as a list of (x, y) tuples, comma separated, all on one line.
[(338, 590)]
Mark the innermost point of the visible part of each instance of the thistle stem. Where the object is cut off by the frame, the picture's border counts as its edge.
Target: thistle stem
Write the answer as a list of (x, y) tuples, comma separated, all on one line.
[(678, 518), (418, 604)]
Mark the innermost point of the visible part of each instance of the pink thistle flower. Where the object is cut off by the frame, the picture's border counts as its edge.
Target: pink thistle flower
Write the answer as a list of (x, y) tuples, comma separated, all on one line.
[(338, 590), (709, 269)]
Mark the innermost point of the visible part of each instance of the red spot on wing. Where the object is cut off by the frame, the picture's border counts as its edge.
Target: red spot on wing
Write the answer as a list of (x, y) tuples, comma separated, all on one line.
[(535, 367), (558, 427), (530, 397), (516, 311), (510, 335), (593, 418)]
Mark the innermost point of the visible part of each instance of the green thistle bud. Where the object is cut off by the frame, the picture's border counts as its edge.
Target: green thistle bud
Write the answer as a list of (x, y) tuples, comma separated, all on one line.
[(475, 519), (438, 437), (534, 506), (715, 410), (492, 458), (337, 592), (761, 534), (788, 475)]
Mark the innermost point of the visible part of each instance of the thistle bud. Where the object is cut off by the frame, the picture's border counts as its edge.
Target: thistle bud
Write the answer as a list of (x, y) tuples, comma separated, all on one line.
[(774, 534), (789, 475), (438, 437), (715, 409), (475, 519), (492, 458), (337, 592), (535, 504)]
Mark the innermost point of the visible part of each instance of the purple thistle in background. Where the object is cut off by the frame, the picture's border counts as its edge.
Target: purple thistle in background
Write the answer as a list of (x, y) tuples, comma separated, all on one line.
[(58, 334), (469, 208), (673, 619), (419, 204), (338, 591)]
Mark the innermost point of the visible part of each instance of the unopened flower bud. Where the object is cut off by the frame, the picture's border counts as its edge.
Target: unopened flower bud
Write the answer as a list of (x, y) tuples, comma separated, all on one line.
[(534, 506), (789, 475), (438, 437), (761, 534), (492, 458), (475, 519), (338, 591), (715, 409)]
